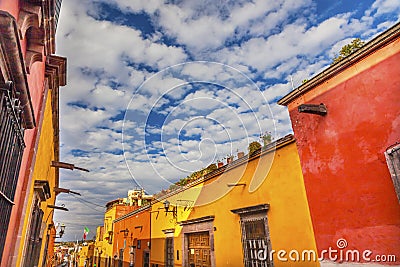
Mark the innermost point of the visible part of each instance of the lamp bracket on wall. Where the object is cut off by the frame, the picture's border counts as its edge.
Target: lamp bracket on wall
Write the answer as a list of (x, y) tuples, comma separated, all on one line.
[(236, 184), (187, 204), (167, 209), (64, 190), (158, 212), (57, 207), (313, 109), (64, 165), (125, 231)]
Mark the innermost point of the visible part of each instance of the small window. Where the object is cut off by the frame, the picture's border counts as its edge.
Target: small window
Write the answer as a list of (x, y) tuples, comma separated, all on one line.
[(256, 246), (34, 236), (255, 235), (169, 252), (393, 161)]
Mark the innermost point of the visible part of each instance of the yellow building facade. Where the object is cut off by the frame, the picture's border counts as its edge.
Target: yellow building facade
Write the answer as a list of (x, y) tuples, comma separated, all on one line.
[(252, 212), (106, 249), (85, 255), (40, 194), (38, 230), (98, 246)]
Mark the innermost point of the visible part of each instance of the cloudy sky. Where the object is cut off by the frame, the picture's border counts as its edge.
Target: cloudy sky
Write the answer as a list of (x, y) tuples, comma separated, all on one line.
[(157, 90)]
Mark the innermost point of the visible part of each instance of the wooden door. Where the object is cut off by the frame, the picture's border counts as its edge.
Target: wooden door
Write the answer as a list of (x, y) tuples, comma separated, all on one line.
[(199, 252)]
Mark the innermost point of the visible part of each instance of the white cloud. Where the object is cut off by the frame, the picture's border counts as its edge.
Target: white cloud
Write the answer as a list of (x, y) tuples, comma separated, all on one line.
[(385, 6)]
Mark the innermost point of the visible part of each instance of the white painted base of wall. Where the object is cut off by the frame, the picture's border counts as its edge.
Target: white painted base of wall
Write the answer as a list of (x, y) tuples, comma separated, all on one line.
[(348, 264)]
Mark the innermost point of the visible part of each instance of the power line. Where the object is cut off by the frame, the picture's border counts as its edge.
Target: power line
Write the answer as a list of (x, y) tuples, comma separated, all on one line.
[(84, 203), (88, 201)]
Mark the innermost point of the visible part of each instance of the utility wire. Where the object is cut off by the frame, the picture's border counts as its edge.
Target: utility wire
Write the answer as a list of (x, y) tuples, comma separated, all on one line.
[(102, 212), (84, 203), (84, 200)]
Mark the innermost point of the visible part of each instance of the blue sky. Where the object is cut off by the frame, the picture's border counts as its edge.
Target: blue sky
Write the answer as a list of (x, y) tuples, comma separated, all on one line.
[(157, 90)]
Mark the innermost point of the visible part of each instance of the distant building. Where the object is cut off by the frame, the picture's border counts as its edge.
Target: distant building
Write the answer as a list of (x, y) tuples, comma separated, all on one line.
[(103, 250), (98, 246), (138, 197), (346, 122), (85, 255), (132, 238), (61, 254), (106, 249)]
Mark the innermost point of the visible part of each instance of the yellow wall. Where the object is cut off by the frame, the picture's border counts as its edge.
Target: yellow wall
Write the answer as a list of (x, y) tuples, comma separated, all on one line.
[(82, 254), (103, 245), (42, 171), (85, 253), (98, 245), (163, 221), (283, 189), (109, 217)]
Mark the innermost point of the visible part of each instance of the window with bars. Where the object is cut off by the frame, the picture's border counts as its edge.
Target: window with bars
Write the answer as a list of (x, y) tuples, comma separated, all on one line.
[(11, 149), (256, 242), (393, 161), (146, 259), (121, 257), (34, 236), (169, 252)]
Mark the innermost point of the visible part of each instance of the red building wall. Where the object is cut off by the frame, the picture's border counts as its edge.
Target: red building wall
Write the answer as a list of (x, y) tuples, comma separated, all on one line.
[(36, 87), (35, 81), (349, 188), (10, 6)]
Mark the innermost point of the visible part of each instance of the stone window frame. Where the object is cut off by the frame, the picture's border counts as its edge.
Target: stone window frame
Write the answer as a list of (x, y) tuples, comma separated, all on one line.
[(392, 155), (252, 213)]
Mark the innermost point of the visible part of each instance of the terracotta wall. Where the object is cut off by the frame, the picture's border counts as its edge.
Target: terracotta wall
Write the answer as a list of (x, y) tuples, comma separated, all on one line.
[(349, 188), (35, 82), (131, 232)]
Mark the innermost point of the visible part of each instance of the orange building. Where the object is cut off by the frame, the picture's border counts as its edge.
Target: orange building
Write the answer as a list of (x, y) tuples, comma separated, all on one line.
[(124, 238), (346, 121), (132, 238)]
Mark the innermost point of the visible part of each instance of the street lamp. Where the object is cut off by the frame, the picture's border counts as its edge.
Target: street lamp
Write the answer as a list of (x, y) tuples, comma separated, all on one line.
[(166, 207), (62, 230), (126, 231), (60, 233)]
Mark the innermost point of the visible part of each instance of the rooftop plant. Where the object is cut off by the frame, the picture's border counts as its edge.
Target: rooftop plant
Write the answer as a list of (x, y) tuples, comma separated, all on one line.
[(348, 49)]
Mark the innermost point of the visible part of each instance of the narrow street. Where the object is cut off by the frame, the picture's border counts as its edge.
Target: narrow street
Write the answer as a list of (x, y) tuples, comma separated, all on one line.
[(199, 133)]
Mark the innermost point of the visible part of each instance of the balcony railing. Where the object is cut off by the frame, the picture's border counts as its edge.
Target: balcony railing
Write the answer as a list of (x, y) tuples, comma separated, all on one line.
[(11, 149)]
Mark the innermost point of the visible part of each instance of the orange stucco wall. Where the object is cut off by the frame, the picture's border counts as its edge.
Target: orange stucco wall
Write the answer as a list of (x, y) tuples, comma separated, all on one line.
[(349, 188), (137, 228)]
